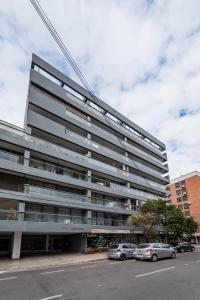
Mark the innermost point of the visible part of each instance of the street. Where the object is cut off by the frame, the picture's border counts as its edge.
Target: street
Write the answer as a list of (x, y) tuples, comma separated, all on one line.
[(105, 280)]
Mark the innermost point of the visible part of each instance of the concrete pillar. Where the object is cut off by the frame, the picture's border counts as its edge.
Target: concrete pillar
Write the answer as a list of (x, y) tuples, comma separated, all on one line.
[(16, 249), (26, 157), (47, 243), (21, 210), (125, 139), (89, 154), (129, 203), (124, 167), (83, 243), (89, 173), (89, 216), (28, 129), (89, 118), (128, 184)]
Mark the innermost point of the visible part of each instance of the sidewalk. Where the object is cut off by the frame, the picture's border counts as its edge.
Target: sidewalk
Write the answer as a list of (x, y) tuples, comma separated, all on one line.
[(46, 261)]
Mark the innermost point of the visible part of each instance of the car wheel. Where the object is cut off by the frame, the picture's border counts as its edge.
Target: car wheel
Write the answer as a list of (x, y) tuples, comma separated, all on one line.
[(173, 255), (122, 257), (182, 250), (154, 258)]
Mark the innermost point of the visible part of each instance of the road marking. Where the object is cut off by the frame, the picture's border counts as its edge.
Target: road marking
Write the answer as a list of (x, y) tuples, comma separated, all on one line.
[(88, 267), (186, 264), (8, 278), (158, 271), (114, 263), (2, 272), (52, 297), (197, 261), (50, 272)]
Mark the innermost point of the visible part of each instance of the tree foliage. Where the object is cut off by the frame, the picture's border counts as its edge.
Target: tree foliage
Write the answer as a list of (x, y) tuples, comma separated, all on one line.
[(145, 222), (158, 212)]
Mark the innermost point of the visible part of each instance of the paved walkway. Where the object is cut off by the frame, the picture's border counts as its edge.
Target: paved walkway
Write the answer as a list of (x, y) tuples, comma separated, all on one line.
[(46, 261)]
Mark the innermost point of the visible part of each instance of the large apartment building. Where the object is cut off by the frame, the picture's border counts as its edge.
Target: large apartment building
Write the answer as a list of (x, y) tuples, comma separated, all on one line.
[(70, 179), (185, 194)]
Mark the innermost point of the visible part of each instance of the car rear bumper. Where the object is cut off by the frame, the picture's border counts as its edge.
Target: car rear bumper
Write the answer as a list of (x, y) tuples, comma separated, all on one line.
[(114, 255)]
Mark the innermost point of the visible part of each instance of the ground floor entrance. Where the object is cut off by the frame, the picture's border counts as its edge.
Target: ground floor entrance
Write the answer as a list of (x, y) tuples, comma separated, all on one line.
[(5, 245)]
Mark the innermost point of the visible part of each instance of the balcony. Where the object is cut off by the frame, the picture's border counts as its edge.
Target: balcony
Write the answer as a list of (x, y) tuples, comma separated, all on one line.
[(31, 216), (75, 198), (75, 95), (101, 149), (50, 168)]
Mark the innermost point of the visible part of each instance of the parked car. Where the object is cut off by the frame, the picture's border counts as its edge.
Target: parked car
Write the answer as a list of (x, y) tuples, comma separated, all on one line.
[(121, 251), (154, 251), (185, 247)]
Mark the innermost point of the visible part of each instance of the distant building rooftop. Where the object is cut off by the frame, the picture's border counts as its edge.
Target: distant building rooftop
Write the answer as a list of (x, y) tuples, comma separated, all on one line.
[(182, 177)]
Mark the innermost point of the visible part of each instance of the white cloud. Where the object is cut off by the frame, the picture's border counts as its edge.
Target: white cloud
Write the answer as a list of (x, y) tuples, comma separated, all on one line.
[(141, 56)]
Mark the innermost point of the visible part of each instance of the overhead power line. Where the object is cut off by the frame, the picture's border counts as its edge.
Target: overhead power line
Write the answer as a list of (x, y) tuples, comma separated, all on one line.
[(61, 44), (70, 59)]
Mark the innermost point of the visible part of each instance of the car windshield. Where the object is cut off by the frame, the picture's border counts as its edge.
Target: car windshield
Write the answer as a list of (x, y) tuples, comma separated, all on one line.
[(141, 246), (115, 246)]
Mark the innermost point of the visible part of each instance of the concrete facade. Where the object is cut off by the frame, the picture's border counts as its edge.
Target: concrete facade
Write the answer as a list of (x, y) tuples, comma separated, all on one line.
[(77, 168)]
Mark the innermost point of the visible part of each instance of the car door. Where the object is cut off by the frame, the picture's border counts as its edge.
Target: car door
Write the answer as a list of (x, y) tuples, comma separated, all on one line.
[(186, 247), (125, 250), (166, 250), (130, 249), (157, 249)]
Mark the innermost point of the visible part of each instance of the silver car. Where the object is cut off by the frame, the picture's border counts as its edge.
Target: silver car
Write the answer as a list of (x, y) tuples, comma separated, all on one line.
[(154, 251), (121, 251)]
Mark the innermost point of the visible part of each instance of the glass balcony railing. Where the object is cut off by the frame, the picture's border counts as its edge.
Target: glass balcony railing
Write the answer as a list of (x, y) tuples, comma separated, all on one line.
[(79, 118), (11, 157), (9, 214), (44, 166), (46, 192), (67, 152), (32, 216)]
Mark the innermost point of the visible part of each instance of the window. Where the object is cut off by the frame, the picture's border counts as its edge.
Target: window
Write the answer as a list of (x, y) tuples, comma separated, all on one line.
[(73, 93), (156, 245), (185, 199), (183, 183), (178, 192), (177, 185), (125, 246), (47, 75), (187, 213), (186, 206), (183, 191), (179, 200)]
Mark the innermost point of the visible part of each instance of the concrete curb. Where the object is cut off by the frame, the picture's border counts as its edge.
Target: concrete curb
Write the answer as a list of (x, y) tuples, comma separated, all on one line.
[(18, 269)]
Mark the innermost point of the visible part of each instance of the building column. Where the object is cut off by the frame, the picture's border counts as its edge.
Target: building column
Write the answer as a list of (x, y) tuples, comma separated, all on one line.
[(47, 243), (89, 217), (83, 242), (17, 238), (16, 248), (26, 157)]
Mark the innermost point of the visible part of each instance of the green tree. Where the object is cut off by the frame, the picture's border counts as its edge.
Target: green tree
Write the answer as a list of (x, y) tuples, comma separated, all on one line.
[(191, 227), (174, 222), (146, 222), (157, 207)]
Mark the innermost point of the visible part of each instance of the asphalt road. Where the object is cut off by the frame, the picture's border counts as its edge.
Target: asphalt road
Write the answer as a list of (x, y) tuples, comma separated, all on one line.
[(108, 280)]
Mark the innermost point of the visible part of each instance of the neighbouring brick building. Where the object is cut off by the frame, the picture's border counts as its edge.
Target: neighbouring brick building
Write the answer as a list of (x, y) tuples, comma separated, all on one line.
[(185, 194)]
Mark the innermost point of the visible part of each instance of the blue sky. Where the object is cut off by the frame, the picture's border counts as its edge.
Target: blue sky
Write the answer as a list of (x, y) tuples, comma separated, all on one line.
[(140, 56)]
